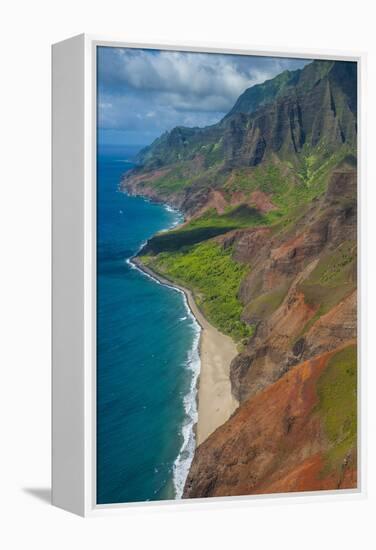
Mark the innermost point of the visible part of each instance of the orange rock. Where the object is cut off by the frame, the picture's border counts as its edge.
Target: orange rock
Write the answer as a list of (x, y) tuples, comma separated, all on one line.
[(273, 443)]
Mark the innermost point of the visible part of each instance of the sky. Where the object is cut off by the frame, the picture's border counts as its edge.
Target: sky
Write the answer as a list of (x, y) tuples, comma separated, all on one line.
[(142, 93)]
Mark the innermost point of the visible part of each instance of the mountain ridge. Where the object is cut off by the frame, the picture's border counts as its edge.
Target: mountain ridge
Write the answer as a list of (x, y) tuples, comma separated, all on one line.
[(317, 114), (268, 249)]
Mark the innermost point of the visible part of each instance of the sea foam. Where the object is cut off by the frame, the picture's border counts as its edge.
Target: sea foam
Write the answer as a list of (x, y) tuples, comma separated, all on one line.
[(184, 459)]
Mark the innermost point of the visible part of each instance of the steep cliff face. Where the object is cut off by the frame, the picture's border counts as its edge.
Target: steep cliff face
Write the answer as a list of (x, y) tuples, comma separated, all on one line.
[(300, 292), (286, 438), (301, 296), (302, 117), (269, 250)]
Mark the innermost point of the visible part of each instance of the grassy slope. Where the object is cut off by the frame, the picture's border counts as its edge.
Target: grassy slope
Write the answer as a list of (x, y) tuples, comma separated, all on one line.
[(337, 393), (214, 277), (333, 279), (288, 191), (209, 225), (265, 304), (188, 256)]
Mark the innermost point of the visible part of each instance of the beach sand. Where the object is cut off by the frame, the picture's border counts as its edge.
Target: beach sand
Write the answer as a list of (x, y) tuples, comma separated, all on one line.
[(215, 400)]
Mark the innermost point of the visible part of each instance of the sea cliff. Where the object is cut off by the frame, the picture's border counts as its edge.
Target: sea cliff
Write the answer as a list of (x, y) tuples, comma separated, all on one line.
[(268, 249), (216, 402)]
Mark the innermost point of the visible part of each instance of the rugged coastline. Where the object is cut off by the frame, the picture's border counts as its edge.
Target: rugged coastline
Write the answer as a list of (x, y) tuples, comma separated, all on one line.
[(216, 402), (270, 248)]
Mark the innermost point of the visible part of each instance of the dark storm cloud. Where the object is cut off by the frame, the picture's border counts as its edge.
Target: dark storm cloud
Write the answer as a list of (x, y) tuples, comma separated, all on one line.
[(142, 93)]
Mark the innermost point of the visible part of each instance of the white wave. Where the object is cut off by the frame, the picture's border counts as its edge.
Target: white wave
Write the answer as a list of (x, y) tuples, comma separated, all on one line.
[(184, 459), (141, 247), (178, 219), (129, 262)]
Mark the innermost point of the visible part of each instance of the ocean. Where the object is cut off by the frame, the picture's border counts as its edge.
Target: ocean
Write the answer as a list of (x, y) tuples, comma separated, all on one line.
[(147, 351)]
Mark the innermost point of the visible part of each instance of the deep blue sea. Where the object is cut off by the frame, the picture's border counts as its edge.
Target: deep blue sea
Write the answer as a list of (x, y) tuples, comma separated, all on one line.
[(147, 351)]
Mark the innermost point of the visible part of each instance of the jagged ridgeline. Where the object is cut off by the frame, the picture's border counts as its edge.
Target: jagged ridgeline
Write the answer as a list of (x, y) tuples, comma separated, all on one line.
[(269, 250), (299, 119), (260, 166)]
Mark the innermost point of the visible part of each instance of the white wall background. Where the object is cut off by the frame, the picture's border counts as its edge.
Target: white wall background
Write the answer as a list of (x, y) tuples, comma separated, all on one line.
[(27, 30)]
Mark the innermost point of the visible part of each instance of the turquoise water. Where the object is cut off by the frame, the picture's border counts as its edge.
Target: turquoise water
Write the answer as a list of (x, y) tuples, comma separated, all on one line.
[(147, 352)]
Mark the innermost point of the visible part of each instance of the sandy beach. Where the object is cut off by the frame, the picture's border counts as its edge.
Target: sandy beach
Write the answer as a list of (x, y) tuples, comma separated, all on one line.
[(215, 400)]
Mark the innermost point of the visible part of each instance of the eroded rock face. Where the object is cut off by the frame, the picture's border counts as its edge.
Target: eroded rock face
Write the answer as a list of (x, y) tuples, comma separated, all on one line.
[(332, 329), (301, 295), (281, 266), (300, 291), (312, 106), (275, 442)]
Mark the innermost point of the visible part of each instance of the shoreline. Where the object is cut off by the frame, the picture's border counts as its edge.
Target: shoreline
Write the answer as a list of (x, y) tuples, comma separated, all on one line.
[(214, 397)]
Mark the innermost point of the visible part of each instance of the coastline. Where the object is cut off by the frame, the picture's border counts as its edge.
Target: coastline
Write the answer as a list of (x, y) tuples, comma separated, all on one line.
[(215, 400)]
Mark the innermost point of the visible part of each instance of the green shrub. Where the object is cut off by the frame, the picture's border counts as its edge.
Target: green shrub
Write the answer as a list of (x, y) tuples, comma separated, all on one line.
[(337, 393), (214, 277), (265, 304)]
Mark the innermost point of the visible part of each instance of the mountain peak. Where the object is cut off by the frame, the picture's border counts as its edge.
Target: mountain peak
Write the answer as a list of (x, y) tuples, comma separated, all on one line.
[(294, 110), (301, 79), (260, 94)]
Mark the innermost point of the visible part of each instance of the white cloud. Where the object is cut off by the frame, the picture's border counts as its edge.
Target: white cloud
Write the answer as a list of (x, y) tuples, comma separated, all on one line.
[(156, 90), (185, 75)]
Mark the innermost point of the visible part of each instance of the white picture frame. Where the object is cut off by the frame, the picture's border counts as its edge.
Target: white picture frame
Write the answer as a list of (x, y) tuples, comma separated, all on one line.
[(74, 276)]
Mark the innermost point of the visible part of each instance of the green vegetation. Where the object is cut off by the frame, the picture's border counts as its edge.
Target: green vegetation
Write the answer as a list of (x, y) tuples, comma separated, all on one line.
[(177, 239), (270, 180), (331, 281), (333, 268), (191, 163), (204, 169), (265, 178), (209, 225), (265, 304), (183, 144), (264, 93), (290, 187), (175, 180), (307, 172), (214, 153), (214, 277), (333, 278), (234, 217), (307, 180), (337, 393), (314, 163), (186, 254)]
